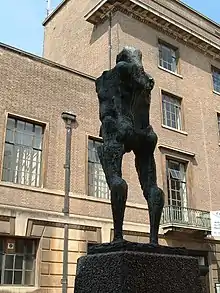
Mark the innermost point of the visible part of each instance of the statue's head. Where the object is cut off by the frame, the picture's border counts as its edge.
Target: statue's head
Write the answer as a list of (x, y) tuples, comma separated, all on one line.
[(130, 55)]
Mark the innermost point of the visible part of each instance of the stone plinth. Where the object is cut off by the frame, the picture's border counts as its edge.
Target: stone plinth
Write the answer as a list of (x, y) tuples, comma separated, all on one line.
[(137, 272)]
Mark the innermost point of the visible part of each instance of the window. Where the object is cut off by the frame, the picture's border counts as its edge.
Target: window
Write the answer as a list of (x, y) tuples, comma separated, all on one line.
[(17, 261), (216, 79), (218, 119), (171, 111), (97, 183), (168, 57), (176, 182), (23, 152)]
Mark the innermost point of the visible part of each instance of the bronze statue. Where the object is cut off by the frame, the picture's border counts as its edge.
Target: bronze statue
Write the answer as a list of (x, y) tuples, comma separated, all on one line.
[(124, 94)]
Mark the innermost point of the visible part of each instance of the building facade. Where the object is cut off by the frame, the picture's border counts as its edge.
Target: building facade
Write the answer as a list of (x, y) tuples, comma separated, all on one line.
[(181, 50)]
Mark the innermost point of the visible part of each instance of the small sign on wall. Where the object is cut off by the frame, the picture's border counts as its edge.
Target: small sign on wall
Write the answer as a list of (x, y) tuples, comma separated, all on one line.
[(215, 223)]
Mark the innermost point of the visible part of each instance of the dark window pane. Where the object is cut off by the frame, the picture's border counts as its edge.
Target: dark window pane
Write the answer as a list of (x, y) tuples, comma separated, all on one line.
[(7, 164), (1, 245), (18, 262), (18, 277), (10, 123), (29, 246), (29, 128), (179, 203), (29, 278), (37, 143), (174, 165), (173, 203), (9, 259), (20, 125), (178, 195), (27, 140), (29, 262), (19, 247), (9, 136), (38, 130), (173, 194), (173, 184), (178, 185), (19, 137), (1, 260), (8, 156), (8, 277)]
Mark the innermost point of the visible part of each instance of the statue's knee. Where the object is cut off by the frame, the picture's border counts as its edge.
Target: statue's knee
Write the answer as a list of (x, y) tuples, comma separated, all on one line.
[(119, 184), (155, 195)]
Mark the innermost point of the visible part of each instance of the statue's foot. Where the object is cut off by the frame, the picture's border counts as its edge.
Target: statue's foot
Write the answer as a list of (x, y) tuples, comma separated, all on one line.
[(118, 239), (154, 242)]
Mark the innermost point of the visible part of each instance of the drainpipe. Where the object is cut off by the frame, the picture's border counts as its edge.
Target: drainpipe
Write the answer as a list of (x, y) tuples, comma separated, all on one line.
[(68, 119), (110, 39)]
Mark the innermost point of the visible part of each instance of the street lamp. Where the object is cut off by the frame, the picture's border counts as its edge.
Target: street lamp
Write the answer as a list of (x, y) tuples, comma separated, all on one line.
[(69, 119)]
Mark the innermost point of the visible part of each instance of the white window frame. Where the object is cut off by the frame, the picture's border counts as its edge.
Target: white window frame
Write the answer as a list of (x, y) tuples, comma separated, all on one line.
[(23, 149), (172, 113), (97, 185), (216, 79), (178, 207), (218, 121), (168, 57), (9, 251)]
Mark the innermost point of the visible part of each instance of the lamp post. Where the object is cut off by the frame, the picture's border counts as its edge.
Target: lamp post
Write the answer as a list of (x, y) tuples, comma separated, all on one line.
[(69, 119)]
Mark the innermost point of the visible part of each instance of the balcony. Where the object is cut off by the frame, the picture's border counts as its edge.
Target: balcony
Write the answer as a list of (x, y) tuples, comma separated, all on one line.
[(175, 218)]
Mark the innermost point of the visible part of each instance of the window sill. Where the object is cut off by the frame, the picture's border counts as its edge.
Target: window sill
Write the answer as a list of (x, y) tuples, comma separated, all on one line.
[(106, 201), (31, 188), (216, 93), (169, 71), (175, 130), (71, 195), (18, 289)]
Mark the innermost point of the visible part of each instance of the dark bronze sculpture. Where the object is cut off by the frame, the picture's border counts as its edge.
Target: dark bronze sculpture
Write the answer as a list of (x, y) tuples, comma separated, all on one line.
[(124, 94)]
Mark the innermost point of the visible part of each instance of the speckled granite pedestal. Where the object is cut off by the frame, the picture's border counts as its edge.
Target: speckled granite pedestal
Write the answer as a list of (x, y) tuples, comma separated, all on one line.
[(137, 272)]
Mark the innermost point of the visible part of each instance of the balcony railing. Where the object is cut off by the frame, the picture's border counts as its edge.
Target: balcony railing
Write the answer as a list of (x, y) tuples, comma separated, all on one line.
[(186, 218)]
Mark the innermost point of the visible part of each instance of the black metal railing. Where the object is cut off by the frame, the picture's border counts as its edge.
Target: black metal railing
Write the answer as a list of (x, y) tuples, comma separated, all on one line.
[(186, 217)]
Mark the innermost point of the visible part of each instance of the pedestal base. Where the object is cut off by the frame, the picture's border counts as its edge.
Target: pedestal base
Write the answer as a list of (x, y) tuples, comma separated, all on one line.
[(137, 272)]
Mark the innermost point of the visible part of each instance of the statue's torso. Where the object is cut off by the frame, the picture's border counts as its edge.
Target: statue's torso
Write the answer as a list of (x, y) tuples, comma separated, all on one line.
[(124, 100)]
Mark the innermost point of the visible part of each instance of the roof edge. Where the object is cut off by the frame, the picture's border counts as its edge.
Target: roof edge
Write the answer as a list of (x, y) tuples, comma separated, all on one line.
[(45, 61), (54, 12), (102, 2), (199, 13), (95, 8), (179, 2)]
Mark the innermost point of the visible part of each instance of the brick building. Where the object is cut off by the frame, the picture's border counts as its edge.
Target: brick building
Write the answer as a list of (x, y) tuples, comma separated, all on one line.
[(181, 50)]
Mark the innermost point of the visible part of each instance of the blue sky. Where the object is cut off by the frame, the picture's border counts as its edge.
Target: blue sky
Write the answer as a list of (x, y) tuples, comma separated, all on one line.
[(21, 20)]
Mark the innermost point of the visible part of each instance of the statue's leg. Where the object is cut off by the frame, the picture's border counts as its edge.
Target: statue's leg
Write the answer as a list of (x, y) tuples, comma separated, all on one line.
[(146, 169), (110, 155)]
